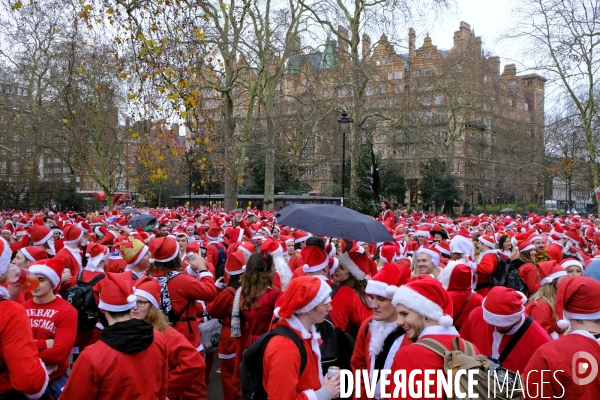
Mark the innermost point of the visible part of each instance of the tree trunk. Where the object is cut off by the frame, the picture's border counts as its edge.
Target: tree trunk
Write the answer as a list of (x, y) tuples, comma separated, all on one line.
[(269, 191), (231, 178)]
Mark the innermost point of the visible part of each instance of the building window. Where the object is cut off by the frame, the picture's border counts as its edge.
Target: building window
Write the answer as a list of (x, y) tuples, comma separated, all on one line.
[(342, 93), (427, 101), (389, 76), (15, 137), (289, 84), (369, 91), (485, 79), (416, 72), (381, 89), (438, 100), (458, 169), (14, 167), (323, 169), (28, 152), (66, 179), (25, 92), (398, 75), (377, 78), (398, 89), (389, 59), (427, 72), (66, 170), (427, 54), (377, 61), (57, 170), (2, 167)]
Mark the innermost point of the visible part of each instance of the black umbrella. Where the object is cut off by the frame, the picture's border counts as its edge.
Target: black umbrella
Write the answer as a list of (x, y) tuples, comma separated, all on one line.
[(334, 221), (141, 220)]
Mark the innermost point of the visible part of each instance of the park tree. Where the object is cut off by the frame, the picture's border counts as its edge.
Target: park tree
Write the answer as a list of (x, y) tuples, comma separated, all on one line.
[(562, 37), (438, 187)]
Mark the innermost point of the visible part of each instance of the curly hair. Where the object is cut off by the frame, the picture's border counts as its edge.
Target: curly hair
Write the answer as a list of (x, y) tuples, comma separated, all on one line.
[(256, 280)]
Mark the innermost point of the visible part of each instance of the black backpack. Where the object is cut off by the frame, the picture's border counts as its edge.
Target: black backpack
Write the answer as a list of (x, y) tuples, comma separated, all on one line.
[(513, 280), (220, 267), (165, 298), (337, 346), (81, 296), (500, 275), (251, 367)]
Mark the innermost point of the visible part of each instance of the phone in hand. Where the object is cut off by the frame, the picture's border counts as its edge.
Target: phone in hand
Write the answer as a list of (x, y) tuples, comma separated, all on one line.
[(203, 251)]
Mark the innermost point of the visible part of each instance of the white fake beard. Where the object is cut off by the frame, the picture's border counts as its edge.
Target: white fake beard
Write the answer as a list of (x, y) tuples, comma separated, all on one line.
[(567, 247), (50, 250), (380, 330), (282, 268)]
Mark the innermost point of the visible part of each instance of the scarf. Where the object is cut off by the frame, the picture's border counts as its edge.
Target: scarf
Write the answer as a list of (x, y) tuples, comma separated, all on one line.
[(236, 328), (129, 337)]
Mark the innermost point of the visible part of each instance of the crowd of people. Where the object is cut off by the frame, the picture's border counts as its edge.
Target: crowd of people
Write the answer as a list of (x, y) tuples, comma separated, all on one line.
[(124, 308)]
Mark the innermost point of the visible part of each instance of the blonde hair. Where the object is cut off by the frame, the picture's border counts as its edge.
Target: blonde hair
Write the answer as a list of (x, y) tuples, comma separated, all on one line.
[(547, 293), (157, 319), (414, 266)]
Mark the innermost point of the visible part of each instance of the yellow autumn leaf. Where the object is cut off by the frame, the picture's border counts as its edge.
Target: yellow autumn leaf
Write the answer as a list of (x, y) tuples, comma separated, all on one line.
[(161, 158), (17, 5), (80, 70), (66, 121), (73, 112), (199, 34)]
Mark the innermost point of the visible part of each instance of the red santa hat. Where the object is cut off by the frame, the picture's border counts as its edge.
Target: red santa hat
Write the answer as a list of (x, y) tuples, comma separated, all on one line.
[(72, 234), (432, 253), (357, 263), (503, 306), (236, 263), (50, 268), (117, 292), (488, 240), (248, 248), (428, 298), (20, 232), (163, 249), (39, 234), (387, 254), (302, 295), (270, 246), (235, 235), (193, 247), (423, 231), (96, 253), (300, 236), (575, 238), (333, 264), (549, 271), (570, 262), (577, 298), (525, 245), (443, 248), (557, 232), (450, 277), (149, 289), (385, 282), (314, 259), (411, 247), (34, 253), (461, 244), (8, 228)]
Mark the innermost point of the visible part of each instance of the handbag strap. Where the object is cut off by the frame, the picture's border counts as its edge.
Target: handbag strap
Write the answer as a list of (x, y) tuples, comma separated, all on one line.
[(462, 309), (514, 340)]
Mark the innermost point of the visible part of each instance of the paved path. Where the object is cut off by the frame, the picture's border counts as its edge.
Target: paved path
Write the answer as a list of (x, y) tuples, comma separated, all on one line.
[(214, 390)]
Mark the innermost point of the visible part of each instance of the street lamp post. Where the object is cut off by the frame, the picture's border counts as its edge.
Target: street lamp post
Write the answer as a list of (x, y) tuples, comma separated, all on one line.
[(344, 122)]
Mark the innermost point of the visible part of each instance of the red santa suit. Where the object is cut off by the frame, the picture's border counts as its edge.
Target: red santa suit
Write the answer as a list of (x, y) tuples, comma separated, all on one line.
[(456, 278), (543, 314), (20, 366), (56, 320), (106, 372), (559, 356), (282, 379), (73, 262), (555, 251), (593, 234), (186, 365), (221, 308), (295, 262), (491, 343), (488, 262)]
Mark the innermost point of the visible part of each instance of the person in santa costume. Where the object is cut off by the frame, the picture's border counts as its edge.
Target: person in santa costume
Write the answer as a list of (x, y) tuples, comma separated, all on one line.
[(527, 265), (380, 338), (305, 303), (23, 373), (24, 257), (348, 310), (570, 357), (53, 322), (186, 365), (72, 254), (354, 269), (282, 269), (214, 244), (427, 261), (221, 308), (486, 263), (457, 279), (136, 255), (492, 326), (424, 312), (540, 306), (560, 242), (573, 267), (130, 361), (183, 288), (387, 215)]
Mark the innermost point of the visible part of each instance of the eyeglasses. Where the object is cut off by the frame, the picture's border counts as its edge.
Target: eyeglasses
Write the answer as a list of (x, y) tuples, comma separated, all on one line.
[(141, 303)]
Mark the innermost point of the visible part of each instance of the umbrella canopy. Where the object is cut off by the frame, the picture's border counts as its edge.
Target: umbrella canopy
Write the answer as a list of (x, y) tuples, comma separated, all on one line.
[(141, 220), (506, 210), (128, 212), (334, 221)]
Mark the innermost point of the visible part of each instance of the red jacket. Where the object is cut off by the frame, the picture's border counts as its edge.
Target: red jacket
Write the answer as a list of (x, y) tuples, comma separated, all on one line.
[(414, 357), (530, 276), (462, 306), (186, 368), (20, 365), (185, 289), (481, 334), (559, 356), (541, 312), (361, 357), (71, 263), (281, 365), (103, 373), (347, 310), (486, 266), (55, 320), (221, 308)]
